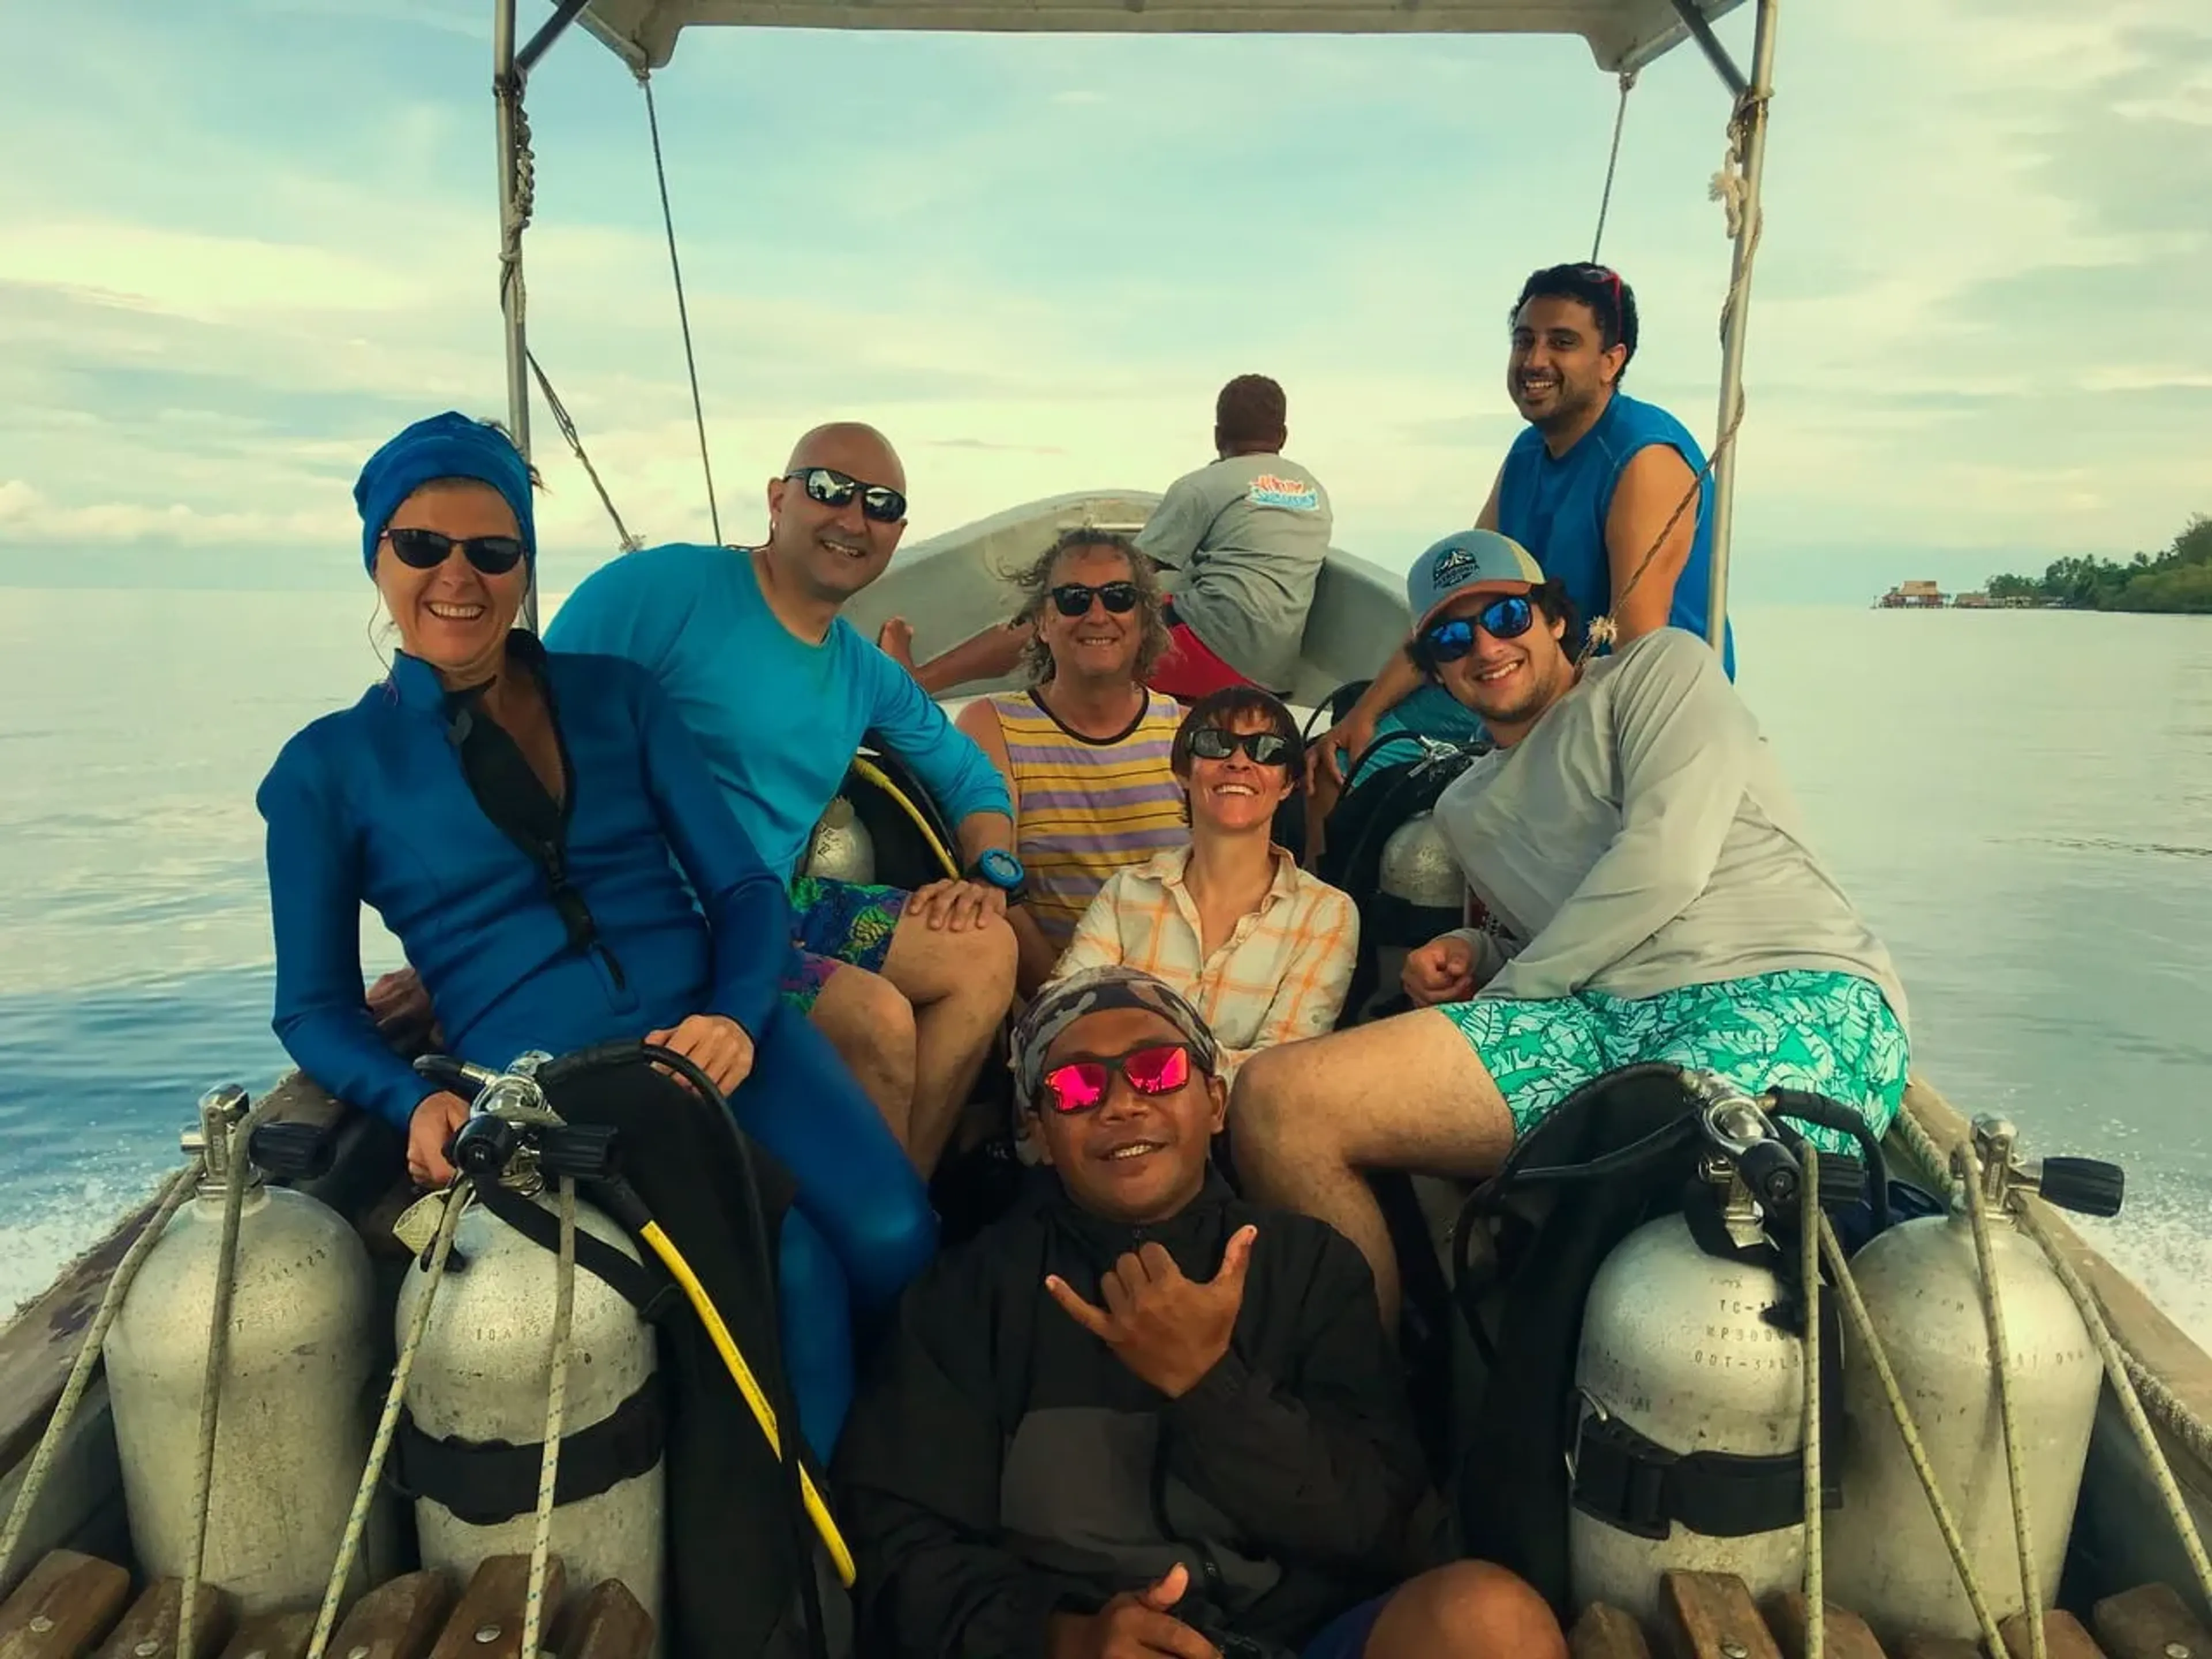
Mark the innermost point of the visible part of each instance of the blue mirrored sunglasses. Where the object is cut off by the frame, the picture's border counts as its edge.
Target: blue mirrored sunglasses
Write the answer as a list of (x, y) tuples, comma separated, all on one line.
[(1503, 618)]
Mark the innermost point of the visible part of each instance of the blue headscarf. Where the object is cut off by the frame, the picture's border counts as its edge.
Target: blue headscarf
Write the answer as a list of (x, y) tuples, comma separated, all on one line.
[(448, 445)]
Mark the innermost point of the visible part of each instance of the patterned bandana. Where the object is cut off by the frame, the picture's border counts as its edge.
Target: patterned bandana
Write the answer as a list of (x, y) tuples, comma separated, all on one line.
[(1059, 1005)]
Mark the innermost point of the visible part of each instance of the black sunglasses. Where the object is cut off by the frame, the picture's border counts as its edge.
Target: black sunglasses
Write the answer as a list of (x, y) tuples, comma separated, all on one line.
[(1073, 598), (426, 549), (1506, 619), (834, 489), (1265, 748)]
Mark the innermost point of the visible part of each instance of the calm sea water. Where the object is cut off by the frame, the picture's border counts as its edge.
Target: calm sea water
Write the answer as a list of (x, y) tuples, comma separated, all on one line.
[(2022, 802)]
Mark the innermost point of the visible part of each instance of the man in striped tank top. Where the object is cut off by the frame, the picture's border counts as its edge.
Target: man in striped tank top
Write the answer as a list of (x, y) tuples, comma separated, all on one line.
[(1085, 749)]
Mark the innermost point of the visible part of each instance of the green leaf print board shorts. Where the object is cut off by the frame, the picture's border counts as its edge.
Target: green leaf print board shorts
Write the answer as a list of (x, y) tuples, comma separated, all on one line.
[(1831, 1034)]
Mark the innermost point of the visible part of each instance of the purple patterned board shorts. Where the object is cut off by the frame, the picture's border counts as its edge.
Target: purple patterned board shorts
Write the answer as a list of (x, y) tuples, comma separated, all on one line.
[(836, 923)]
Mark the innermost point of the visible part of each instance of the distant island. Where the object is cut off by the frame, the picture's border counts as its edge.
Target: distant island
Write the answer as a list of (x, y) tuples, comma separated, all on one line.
[(2177, 581)]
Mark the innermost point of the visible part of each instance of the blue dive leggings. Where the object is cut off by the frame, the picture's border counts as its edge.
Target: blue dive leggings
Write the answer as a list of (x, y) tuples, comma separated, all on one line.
[(862, 1225)]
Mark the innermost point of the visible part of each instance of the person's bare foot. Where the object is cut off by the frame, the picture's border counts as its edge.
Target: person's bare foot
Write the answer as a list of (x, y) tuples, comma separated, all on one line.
[(895, 639)]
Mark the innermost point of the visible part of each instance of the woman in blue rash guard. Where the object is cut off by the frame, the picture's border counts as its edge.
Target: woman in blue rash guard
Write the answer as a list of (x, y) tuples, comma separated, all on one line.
[(421, 799)]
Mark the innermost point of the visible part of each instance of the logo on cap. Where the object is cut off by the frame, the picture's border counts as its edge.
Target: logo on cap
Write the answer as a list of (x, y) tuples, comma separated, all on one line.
[(1454, 564)]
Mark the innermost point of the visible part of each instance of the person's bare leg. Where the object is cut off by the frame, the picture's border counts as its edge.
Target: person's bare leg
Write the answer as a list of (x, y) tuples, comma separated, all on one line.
[(991, 654), (960, 984), (871, 1025), (1468, 1610), (1405, 1093)]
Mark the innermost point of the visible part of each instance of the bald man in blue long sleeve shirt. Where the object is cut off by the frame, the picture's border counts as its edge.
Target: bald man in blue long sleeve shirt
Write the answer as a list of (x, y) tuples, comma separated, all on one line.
[(779, 688)]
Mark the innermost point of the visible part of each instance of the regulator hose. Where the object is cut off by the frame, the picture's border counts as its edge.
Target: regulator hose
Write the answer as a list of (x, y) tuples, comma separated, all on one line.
[(1516, 1173), (1831, 1115), (808, 1513), (875, 774)]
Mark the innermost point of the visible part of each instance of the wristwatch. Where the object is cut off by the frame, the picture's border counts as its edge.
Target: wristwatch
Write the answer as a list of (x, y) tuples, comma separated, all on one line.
[(994, 866)]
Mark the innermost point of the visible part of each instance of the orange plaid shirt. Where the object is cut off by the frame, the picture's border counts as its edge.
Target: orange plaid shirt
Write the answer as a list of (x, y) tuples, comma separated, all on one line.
[(1280, 975)]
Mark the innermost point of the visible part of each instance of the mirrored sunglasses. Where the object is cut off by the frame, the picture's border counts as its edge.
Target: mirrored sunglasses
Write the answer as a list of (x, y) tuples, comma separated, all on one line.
[(1505, 619), (1081, 1085), (832, 488), (1265, 748)]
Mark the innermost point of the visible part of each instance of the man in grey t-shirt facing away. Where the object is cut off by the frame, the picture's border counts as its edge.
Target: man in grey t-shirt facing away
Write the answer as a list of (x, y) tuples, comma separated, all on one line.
[(1240, 543), (1244, 538), (1653, 897)]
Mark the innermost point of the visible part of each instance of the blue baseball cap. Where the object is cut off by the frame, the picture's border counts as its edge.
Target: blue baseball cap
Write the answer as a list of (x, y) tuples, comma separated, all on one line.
[(1467, 562)]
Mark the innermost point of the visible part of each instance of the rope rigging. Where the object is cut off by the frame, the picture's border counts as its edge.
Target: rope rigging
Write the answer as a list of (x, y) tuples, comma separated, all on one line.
[(1612, 160), (523, 198), (1730, 188), (683, 311)]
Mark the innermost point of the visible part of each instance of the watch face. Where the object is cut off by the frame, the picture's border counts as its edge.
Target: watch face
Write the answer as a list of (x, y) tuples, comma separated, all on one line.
[(1000, 867)]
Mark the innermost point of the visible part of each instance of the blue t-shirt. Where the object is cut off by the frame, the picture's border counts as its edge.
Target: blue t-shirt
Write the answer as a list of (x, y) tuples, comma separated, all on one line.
[(371, 806), (780, 719), (1556, 507)]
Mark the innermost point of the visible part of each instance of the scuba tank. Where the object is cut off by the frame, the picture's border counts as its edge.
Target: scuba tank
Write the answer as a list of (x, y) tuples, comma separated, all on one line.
[(1689, 1375), (681, 1468), (295, 1407), (840, 848), (470, 1438), (1380, 845), (1417, 865), (1922, 1283)]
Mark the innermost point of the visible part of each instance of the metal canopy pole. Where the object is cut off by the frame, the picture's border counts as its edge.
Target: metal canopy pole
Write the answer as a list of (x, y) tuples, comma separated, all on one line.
[(551, 30), (1751, 114), (514, 213), (1701, 30)]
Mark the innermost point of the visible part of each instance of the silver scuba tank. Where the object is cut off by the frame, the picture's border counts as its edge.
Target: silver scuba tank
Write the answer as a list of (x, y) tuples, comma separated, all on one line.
[(1684, 1375), (470, 1449), (1417, 867), (1922, 1282), (840, 848), (295, 1404)]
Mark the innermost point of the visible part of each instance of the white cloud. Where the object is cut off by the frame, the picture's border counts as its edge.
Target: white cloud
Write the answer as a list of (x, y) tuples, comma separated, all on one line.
[(25, 516), (1035, 268)]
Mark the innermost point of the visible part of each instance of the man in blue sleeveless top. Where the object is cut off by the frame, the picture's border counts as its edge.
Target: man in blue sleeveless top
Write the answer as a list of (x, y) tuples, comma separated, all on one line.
[(1598, 488)]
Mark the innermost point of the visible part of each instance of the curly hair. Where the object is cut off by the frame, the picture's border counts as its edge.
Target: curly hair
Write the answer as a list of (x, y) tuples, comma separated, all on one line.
[(1035, 582)]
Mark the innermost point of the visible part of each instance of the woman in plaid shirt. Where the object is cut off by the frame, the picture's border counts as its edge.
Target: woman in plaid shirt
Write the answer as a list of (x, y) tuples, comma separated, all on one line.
[(1263, 949)]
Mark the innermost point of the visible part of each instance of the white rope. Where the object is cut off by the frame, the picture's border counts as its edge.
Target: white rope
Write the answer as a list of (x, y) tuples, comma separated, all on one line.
[(556, 1402), (364, 1495), (1808, 1269), (170, 1195), (1731, 188), (218, 1356), (1863, 1324), (1969, 1169), (523, 194)]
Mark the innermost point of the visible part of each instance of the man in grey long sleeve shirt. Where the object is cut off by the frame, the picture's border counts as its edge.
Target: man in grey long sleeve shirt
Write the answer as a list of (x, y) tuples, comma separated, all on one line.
[(1652, 894)]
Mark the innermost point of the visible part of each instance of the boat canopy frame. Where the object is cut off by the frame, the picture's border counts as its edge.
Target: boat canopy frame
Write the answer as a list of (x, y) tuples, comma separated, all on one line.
[(1623, 36)]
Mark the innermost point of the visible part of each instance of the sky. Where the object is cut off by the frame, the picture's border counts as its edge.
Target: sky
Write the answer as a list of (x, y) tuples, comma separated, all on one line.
[(244, 243)]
